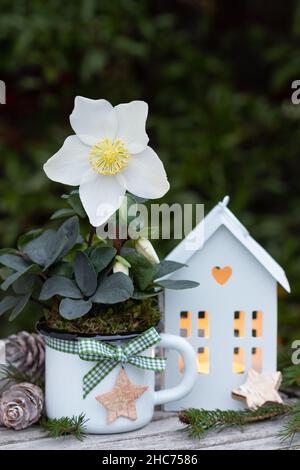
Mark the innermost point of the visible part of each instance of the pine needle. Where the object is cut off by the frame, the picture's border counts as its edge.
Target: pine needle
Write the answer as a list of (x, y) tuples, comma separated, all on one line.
[(10, 375), (291, 376), (200, 422), (292, 426), (65, 426)]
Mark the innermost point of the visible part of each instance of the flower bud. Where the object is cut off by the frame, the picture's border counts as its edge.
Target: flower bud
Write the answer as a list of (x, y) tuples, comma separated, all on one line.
[(119, 267), (144, 247)]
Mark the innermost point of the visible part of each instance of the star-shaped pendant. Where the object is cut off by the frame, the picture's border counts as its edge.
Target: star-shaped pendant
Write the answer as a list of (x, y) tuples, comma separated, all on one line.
[(259, 389), (121, 400)]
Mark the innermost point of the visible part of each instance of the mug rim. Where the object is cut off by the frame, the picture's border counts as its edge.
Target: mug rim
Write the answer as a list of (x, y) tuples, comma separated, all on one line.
[(43, 329)]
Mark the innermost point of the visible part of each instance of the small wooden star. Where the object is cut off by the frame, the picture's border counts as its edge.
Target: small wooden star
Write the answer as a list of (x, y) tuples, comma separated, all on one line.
[(121, 400), (259, 389)]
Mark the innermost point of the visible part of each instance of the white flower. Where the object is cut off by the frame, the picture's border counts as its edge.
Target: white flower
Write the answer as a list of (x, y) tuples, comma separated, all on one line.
[(107, 156), (119, 267), (144, 246)]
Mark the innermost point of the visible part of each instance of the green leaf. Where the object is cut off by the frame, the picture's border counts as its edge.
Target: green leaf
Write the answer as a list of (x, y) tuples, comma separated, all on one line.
[(123, 261), (4, 251), (27, 237), (142, 270), (14, 261), (177, 285), (62, 268), (59, 285), (22, 302), (11, 279), (101, 256), (115, 288), (138, 295), (44, 249), (166, 267), (62, 213), (76, 204), (72, 309), (69, 231), (7, 303), (24, 284), (5, 273), (85, 274)]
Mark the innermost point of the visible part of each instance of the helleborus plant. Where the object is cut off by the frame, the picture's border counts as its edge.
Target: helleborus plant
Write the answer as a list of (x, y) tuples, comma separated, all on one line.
[(83, 283)]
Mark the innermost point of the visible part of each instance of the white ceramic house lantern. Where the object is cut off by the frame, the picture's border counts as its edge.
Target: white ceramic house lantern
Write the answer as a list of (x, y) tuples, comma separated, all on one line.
[(231, 318)]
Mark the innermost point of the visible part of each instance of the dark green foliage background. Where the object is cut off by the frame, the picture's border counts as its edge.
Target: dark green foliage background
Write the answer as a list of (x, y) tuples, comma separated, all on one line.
[(217, 75)]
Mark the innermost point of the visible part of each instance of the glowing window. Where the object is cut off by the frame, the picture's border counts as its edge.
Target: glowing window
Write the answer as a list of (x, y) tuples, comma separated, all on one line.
[(257, 323), (238, 366), (256, 359), (203, 327), (203, 360), (185, 324), (239, 323)]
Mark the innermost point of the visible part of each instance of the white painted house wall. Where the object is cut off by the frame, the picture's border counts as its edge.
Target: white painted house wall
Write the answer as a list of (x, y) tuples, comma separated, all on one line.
[(250, 288)]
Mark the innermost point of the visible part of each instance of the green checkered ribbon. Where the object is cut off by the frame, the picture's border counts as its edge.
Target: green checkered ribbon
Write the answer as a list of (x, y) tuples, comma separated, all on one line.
[(108, 356)]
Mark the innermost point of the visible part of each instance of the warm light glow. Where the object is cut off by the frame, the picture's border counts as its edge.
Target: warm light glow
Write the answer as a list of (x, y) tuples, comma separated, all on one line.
[(257, 323), (238, 366), (203, 360), (256, 359), (239, 323), (185, 324), (203, 324)]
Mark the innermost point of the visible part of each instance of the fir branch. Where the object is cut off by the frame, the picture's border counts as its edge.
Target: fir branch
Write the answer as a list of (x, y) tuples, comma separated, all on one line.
[(291, 376), (65, 426), (292, 426), (200, 422), (12, 375)]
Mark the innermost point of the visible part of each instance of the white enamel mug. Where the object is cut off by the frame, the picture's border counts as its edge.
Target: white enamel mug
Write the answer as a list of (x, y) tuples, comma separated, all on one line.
[(65, 372)]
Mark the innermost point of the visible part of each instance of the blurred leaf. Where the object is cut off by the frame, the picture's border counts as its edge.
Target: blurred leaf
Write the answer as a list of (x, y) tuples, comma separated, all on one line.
[(62, 213), (19, 307), (7, 304)]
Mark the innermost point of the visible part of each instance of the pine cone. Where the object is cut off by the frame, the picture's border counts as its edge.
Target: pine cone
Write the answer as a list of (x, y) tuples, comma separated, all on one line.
[(21, 405), (26, 352)]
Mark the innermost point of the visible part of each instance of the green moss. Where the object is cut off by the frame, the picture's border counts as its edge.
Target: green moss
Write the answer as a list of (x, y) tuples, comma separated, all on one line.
[(127, 317)]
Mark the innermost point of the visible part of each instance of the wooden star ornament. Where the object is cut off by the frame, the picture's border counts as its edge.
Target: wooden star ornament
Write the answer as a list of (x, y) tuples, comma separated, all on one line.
[(259, 389), (121, 400)]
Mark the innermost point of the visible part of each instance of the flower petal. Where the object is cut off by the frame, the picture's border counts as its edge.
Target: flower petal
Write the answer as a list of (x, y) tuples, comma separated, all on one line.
[(145, 175), (93, 120), (70, 163), (101, 197), (131, 125)]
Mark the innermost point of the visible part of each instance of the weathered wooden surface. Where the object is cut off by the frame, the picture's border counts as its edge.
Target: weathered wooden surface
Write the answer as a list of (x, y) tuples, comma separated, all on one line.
[(164, 433)]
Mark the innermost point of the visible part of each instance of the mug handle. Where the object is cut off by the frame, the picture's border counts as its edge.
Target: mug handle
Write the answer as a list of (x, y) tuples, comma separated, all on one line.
[(190, 369)]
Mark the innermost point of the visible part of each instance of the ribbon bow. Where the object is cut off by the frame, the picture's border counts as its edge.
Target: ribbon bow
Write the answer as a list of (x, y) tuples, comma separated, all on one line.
[(109, 355)]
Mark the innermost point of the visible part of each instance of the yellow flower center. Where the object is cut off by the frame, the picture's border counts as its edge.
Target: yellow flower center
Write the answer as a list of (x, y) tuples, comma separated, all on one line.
[(108, 156)]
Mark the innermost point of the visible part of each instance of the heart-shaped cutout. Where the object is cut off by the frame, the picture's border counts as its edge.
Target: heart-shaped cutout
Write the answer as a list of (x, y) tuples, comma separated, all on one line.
[(221, 275)]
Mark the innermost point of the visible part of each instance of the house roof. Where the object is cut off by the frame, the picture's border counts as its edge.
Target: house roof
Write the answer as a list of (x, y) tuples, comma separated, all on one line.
[(218, 216)]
